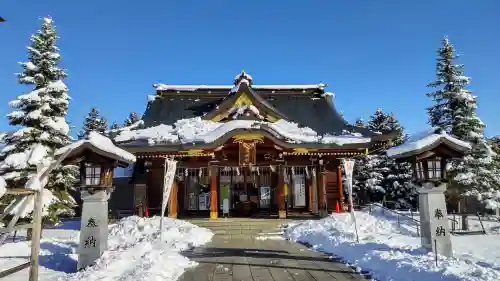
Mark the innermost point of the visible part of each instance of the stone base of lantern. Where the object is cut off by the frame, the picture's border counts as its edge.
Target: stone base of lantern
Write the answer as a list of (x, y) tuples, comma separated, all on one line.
[(434, 226), (94, 225)]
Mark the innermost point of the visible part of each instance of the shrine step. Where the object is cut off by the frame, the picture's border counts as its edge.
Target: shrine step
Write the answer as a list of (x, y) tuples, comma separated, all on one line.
[(248, 227), (243, 231)]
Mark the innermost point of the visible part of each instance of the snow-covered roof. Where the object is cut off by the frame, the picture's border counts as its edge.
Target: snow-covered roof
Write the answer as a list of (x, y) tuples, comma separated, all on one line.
[(197, 130), (101, 145), (192, 88), (427, 140)]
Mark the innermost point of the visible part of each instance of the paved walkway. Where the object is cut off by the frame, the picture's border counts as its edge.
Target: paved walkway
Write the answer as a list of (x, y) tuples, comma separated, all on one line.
[(250, 259)]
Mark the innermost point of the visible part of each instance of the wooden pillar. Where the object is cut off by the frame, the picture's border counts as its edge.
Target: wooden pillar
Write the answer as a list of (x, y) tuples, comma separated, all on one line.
[(339, 183), (281, 190), (214, 211), (314, 188), (309, 194), (321, 195), (172, 204)]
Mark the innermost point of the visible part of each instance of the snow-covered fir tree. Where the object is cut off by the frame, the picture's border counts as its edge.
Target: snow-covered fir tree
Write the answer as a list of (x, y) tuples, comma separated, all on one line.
[(40, 116), (450, 96), (495, 144), (113, 130), (379, 177), (114, 126), (454, 109), (93, 122), (132, 118)]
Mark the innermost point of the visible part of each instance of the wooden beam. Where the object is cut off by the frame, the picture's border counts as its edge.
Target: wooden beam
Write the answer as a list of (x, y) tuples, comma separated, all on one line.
[(19, 191), (13, 270), (424, 155)]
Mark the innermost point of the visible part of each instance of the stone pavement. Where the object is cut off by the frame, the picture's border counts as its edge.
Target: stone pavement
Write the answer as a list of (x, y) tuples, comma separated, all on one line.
[(250, 259)]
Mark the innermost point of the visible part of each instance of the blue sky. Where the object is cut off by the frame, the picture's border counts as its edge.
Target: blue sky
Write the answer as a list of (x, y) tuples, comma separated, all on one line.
[(371, 53)]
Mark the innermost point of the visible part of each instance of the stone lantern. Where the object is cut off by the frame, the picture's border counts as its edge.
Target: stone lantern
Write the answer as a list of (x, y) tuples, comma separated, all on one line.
[(97, 157), (429, 153)]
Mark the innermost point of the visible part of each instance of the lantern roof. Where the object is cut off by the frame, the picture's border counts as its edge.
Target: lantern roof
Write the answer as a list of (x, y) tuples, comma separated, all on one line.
[(100, 145), (430, 140)]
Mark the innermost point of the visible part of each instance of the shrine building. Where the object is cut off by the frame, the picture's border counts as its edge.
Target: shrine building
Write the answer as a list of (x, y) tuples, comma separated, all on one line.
[(242, 150)]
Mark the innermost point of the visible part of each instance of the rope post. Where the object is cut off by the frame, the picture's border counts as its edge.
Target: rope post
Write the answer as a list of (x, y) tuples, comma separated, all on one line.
[(37, 232)]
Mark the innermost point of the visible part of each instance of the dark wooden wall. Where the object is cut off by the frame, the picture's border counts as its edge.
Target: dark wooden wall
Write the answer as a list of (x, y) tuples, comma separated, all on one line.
[(332, 190), (155, 188)]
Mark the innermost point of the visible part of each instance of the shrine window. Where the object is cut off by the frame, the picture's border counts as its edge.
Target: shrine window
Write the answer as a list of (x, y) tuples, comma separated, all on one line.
[(92, 174), (434, 168)]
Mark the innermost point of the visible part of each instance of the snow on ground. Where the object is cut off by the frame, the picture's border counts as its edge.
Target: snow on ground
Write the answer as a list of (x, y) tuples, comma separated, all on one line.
[(390, 252), (135, 252)]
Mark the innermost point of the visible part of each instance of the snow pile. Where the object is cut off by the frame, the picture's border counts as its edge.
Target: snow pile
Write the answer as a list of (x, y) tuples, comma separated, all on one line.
[(426, 139), (102, 143), (194, 130), (136, 253), (388, 254)]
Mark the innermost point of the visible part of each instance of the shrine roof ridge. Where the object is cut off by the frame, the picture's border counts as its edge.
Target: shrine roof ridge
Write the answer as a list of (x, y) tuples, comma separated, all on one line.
[(193, 88)]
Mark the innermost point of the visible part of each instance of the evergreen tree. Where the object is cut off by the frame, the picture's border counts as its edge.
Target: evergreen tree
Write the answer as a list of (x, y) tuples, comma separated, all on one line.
[(40, 115), (132, 118), (114, 126), (450, 96), (93, 122), (495, 144), (454, 110), (380, 176), (113, 130)]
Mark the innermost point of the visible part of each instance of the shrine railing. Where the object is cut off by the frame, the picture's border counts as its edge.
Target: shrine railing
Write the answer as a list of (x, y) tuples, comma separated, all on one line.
[(400, 218)]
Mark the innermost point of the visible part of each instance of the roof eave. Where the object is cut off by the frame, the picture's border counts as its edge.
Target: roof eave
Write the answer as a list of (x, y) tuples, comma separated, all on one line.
[(144, 146), (460, 151)]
